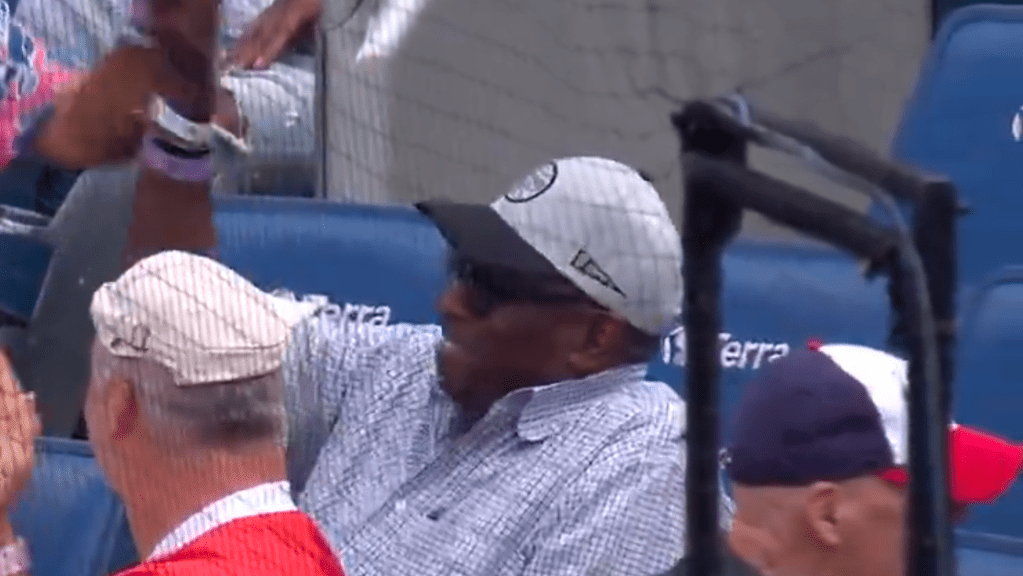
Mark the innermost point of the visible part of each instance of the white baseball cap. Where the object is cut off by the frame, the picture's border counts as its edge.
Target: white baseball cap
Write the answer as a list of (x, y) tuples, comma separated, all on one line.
[(194, 316), (595, 221)]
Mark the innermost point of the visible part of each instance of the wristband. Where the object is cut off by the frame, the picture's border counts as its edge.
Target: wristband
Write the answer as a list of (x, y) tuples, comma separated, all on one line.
[(192, 134), (175, 167), (178, 151), (14, 558)]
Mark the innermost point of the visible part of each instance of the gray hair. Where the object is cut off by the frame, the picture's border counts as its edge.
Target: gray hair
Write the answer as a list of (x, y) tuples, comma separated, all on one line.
[(227, 415)]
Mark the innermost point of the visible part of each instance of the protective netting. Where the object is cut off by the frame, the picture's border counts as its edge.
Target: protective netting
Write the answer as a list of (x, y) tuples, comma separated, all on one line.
[(459, 97), (476, 92), (462, 99)]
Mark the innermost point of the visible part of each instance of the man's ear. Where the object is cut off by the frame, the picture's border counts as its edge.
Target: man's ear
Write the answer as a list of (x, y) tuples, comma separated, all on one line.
[(603, 339), (823, 512), (121, 406)]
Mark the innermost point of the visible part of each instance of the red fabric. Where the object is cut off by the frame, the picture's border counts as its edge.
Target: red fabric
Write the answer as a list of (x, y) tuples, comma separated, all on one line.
[(282, 543), (14, 105), (981, 466)]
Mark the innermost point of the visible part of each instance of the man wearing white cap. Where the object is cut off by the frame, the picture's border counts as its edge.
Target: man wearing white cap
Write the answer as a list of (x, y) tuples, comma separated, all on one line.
[(520, 438), (185, 411)]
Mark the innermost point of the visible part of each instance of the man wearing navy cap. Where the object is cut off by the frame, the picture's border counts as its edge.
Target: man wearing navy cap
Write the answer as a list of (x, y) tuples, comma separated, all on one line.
[(819, 465)]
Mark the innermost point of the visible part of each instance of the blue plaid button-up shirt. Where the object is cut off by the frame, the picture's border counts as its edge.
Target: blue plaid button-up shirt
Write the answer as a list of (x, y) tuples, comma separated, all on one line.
[(574, 478)]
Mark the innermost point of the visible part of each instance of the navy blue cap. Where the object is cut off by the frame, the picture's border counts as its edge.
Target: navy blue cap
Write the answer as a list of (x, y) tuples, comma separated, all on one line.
[(806, 419), (841, 411)]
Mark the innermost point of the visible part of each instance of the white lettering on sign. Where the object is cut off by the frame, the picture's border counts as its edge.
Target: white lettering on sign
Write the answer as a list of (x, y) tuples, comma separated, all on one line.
[(359, 313), (367, 314), (732, 352)]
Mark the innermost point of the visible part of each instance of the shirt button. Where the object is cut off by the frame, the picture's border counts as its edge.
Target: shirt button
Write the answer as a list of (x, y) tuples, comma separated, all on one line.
[(399, 506)]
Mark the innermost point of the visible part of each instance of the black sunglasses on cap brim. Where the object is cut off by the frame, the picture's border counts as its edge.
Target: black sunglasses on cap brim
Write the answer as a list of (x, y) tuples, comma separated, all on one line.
[(488, 286)]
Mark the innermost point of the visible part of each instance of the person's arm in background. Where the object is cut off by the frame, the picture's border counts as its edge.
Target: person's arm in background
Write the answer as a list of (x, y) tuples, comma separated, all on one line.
[(19, 427), (279, 27), (287, 23)]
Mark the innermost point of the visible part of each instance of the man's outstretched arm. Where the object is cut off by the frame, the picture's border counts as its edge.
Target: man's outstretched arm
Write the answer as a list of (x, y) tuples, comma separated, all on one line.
[(106, 118), (172, 207)]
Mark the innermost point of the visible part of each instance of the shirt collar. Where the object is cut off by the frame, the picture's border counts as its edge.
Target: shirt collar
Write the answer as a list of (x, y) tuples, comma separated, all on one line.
[(546, 409), (262, 499)]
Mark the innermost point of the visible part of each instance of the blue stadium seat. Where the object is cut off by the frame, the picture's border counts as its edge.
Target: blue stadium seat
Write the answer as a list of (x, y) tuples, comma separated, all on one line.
[(988, 557), (68, 514), (942, 8), (958, 123), (775, 297), (24, 260), (990, 390), (779, 297), (350, 253), (123, 553)]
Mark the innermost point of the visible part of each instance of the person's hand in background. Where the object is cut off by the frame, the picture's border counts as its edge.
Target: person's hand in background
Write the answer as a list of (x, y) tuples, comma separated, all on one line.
[(19, 427), (276, 29)]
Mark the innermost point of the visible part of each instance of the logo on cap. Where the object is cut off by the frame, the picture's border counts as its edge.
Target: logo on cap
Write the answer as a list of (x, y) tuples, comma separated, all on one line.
[(1017, 125), (137, 341), (535, 184), (585, 263)]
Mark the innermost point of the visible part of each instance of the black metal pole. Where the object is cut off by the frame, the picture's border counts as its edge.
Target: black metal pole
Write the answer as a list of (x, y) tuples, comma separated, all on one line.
[(708, 224), (930, 547), (936, 238), (922, 266)]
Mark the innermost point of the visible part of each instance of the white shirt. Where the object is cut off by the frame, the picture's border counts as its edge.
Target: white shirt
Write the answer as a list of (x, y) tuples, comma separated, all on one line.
[(262, 499)]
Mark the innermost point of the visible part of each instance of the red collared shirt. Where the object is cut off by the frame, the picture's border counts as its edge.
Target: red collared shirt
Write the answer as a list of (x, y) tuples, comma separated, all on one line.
[(254, 532)]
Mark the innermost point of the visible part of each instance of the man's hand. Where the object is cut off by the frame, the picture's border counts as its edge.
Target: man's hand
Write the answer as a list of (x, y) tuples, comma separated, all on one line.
[(100, 118), (279, 27), (19, 427)]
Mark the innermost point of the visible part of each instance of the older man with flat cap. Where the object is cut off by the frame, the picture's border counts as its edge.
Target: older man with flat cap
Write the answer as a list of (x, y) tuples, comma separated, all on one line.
[(185, 411)]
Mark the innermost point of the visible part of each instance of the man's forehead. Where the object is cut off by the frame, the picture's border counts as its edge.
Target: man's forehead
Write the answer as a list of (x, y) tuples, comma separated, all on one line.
[(860, 486), (768, 498)]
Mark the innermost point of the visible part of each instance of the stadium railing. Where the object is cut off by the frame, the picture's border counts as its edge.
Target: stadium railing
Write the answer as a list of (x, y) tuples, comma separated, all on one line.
[(921, 264)]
